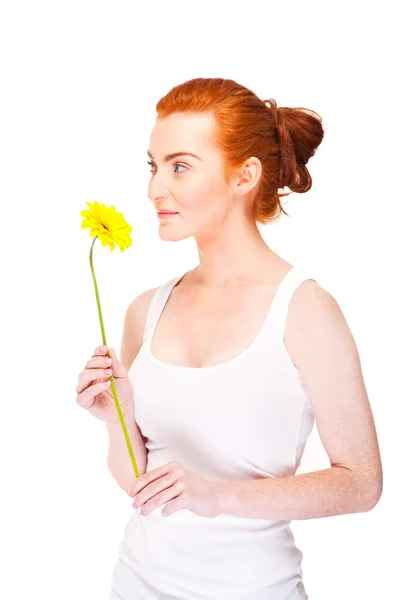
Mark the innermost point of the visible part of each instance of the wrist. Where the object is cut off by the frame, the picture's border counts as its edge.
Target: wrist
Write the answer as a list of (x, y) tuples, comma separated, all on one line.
[(116, 426), (226, 496)]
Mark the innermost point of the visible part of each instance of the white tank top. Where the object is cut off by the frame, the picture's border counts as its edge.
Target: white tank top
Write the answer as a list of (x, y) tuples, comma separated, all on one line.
[(246, 418)]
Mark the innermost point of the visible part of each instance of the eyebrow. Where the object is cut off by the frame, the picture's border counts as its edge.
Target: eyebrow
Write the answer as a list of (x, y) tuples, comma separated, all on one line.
[(169, 157)]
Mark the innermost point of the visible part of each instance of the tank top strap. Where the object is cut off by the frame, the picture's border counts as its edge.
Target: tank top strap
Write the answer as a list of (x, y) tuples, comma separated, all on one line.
[(278, 311), (276, 318), (156, 306)]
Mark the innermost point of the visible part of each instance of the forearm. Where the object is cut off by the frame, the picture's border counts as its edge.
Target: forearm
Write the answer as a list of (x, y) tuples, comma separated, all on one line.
[(118, 458), (332, 491)]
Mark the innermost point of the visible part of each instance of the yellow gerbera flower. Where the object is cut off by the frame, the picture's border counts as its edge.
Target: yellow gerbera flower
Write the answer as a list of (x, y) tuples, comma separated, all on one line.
[(110, 228), (108, 225)]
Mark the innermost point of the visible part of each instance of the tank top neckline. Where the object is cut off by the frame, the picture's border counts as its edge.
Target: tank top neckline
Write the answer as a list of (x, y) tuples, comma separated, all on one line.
[(230, 362)]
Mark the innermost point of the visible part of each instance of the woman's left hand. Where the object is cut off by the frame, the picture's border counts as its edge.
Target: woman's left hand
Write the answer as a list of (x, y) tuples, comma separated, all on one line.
[(176, 485)]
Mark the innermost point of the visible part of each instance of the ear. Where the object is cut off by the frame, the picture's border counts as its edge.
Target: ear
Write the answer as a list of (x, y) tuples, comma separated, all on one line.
[(247, 176)]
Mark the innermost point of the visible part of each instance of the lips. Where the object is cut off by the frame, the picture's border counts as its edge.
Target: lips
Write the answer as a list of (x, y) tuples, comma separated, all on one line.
[(167, 212)]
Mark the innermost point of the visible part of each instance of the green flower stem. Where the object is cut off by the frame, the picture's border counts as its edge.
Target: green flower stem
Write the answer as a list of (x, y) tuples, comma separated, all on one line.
[(118, 407)]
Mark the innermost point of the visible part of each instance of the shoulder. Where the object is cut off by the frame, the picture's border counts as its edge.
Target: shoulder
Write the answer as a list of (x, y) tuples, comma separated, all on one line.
[(136, 313), (315, 321), (133, 326), (137, 310), (312, 305)]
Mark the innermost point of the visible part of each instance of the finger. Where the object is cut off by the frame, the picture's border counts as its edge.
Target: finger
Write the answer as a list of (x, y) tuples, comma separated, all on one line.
[(145, 479), (88, 376), (86, 398), (163, 488), (173, 506), (155, 500), (100, 351), (98, 362), (140, 482)]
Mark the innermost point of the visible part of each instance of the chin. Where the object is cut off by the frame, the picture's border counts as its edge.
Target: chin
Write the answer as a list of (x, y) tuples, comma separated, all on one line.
[(172, 236)]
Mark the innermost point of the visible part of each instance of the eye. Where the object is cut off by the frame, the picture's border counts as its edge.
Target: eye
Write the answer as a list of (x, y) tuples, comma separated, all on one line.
[(179, 165), (174, 165)]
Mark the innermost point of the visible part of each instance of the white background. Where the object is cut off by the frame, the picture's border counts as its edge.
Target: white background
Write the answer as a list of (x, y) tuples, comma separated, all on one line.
[(80, 81)]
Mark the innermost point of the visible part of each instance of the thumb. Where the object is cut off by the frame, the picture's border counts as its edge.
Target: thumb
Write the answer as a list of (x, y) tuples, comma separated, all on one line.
[(112, 354), (118, 370)]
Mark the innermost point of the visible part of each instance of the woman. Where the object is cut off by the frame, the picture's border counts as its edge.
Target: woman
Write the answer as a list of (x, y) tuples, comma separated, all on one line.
[(230, 364)]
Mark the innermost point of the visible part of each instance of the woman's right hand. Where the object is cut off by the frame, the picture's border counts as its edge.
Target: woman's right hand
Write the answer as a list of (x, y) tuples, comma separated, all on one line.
[(93, 393)]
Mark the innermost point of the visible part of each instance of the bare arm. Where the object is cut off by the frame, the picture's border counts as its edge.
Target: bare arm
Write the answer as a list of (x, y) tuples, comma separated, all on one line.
[(326, 356), (118, 459)]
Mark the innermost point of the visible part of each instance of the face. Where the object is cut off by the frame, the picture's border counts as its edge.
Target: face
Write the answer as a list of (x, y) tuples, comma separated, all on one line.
[(193, 187)]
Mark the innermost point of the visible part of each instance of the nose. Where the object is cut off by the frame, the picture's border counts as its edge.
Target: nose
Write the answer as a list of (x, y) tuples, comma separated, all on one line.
[(157, 190)]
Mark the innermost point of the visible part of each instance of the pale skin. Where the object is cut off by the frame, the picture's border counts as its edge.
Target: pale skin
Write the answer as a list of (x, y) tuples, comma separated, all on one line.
[(231, 289)]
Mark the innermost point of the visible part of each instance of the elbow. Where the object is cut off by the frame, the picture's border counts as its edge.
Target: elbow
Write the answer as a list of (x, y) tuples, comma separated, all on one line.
[(373, 501), (367, 489), (373, 497)]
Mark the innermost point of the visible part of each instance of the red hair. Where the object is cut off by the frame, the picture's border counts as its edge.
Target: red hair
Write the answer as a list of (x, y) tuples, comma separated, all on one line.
[(282, 138)]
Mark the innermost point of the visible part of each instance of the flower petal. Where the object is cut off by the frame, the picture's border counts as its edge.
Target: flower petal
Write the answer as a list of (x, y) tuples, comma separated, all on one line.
[(108, 225)]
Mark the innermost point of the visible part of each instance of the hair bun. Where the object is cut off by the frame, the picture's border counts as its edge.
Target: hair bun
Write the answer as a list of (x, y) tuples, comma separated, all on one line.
[(299, 132)]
